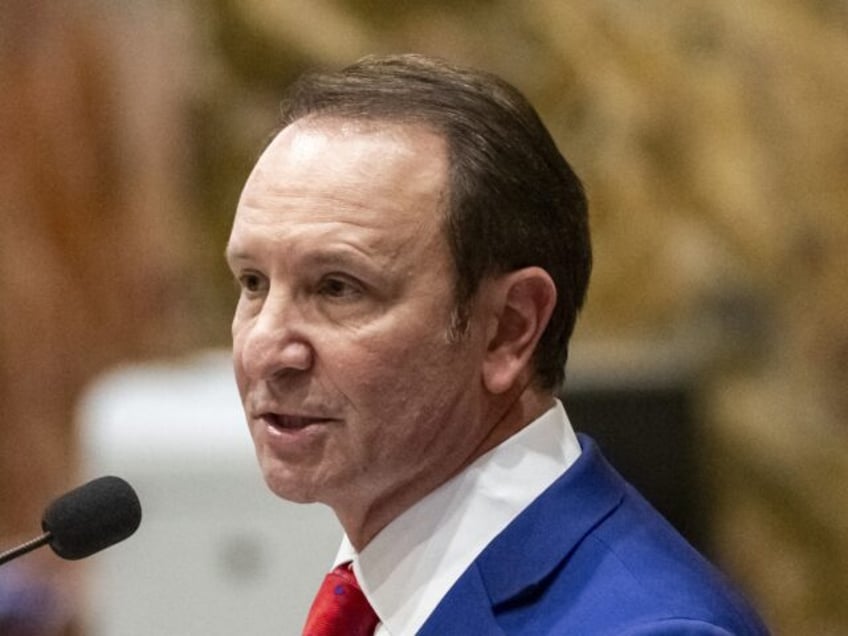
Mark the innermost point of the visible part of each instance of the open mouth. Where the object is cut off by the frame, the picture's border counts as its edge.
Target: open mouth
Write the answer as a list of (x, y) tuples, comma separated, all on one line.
[(289, 422)]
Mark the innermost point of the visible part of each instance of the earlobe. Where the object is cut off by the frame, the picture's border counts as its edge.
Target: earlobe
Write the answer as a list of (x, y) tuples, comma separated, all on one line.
[(524, 300)]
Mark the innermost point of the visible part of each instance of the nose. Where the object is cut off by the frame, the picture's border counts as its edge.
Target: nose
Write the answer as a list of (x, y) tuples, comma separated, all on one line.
[(272, 342)]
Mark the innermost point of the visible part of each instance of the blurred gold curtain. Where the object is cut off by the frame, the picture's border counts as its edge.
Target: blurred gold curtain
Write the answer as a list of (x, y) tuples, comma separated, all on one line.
[(92, 245)]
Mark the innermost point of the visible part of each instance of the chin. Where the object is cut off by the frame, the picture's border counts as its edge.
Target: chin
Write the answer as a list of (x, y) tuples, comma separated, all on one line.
[(289, 487)]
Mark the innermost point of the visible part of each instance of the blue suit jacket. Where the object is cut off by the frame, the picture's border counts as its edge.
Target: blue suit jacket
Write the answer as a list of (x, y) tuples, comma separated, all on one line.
[(590, 557)]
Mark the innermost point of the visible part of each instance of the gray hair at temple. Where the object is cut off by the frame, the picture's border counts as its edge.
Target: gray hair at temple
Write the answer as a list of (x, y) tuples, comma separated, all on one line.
[(513, 200)]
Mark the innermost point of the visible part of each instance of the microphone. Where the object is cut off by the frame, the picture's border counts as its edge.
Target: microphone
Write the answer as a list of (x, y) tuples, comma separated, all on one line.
[(86, 520)]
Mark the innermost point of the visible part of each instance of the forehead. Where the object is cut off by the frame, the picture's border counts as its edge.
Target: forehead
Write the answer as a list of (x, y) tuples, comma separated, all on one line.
[(335, 167), (331, 186)]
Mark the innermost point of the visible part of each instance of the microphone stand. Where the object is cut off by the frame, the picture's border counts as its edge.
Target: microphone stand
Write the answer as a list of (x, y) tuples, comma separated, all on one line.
[(22, 549)]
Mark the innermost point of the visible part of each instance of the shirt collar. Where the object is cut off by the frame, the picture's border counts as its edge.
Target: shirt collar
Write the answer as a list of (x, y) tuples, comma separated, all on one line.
[(411, 564)]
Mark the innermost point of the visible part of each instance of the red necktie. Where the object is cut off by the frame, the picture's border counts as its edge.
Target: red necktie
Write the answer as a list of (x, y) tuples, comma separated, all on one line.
[(340, 608)]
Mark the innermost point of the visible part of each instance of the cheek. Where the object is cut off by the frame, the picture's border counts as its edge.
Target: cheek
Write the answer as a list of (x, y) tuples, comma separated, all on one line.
[(239, 319), (407, 363), (238, 369), (396, 388)]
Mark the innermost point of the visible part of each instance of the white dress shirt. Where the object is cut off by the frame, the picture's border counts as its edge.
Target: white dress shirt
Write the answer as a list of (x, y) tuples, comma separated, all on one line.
[(407, 569)]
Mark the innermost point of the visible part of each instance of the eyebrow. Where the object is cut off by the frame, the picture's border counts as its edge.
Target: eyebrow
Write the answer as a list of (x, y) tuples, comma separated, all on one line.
[(315, 258), (235, 254)]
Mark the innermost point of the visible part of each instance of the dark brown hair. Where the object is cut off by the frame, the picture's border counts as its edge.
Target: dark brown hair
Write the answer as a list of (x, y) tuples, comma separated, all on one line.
[(513, 200)]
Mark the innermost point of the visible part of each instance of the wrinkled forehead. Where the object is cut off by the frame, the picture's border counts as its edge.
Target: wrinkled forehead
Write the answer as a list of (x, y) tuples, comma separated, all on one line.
[(382, 177)]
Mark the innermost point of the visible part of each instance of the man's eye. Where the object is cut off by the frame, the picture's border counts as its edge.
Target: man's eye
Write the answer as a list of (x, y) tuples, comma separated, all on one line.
[(335, 287), (250, 282)]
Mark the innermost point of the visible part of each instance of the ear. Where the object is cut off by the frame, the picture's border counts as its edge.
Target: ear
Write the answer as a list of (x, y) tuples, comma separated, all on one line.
[(524, 300)]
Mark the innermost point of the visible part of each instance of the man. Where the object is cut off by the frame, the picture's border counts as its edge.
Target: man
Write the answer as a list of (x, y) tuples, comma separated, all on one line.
[(412, 252)]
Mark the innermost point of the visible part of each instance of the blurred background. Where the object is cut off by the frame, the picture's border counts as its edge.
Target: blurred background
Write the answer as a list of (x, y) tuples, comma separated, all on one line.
[(713, 142)]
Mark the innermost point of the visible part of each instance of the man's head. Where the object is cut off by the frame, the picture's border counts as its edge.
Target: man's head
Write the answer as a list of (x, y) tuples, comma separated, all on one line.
[(387, 326), (512, 199)]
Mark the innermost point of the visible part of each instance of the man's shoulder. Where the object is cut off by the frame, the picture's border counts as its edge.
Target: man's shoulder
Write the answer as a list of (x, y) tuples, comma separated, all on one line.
[(592, 556), (636, 574)]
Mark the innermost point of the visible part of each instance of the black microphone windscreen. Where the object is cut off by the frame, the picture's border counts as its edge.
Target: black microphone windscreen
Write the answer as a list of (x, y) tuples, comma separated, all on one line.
[(92, 517)]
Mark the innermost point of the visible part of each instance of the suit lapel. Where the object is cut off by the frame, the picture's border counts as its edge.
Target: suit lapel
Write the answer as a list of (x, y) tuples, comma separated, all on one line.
[(518, 561)]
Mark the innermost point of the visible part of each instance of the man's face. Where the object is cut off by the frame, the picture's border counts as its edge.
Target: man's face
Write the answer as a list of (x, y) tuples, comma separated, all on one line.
[(354, 393)]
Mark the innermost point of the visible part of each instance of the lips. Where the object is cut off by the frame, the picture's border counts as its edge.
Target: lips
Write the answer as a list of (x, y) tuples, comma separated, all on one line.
[(287, 422)]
